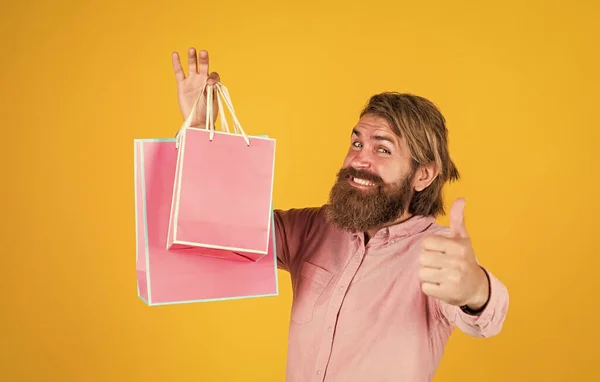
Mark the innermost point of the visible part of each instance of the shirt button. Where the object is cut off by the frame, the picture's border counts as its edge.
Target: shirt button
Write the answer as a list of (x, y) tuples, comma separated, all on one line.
[(329, 329), (318, 372), (342, 288)]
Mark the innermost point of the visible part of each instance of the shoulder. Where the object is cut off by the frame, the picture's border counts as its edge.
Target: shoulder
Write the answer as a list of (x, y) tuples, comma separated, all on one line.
[(437, 229), (307, 214), (301, 219)]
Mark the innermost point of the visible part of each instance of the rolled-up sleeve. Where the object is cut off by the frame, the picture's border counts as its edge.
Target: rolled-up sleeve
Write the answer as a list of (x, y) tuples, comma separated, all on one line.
[(486, 323)]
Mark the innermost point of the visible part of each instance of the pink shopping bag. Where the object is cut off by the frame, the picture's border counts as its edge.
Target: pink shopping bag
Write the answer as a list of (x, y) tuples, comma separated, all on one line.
[(222, 194), (185, 275)]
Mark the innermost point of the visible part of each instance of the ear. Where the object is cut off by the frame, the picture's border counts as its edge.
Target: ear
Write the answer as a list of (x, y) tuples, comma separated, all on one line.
[(424, 176)]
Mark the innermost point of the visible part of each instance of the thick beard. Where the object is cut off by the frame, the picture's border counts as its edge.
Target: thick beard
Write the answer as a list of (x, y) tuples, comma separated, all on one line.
[(355, 210)]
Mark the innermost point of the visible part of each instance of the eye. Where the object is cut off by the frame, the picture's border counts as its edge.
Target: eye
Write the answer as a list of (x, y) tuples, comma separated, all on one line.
[(383, 150), (356, 144)]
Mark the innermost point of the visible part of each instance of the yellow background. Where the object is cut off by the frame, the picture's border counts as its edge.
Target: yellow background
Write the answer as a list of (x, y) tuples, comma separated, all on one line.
[(517, 80)]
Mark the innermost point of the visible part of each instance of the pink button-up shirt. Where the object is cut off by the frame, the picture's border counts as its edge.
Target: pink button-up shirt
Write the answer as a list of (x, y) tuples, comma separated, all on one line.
[(358, 312)]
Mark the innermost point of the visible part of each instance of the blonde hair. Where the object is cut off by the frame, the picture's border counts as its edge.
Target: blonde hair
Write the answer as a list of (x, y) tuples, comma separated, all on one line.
[(423, 127)]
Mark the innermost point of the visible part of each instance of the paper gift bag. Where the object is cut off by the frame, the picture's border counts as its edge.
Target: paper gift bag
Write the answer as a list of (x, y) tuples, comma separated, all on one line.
[(186, 275), (222, 193)]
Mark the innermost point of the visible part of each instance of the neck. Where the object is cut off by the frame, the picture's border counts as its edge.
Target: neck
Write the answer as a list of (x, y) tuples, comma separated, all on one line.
[(370, 233)]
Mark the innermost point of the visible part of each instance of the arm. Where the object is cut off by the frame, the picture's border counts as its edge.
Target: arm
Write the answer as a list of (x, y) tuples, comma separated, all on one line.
[(462, 292), (291, 230), (283, 221)]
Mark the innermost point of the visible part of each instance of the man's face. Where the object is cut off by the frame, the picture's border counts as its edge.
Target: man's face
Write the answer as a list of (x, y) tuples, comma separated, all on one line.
[(374, 186)]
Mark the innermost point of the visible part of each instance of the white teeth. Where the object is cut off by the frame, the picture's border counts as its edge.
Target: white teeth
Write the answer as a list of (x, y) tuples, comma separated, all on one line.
[(363, 182)]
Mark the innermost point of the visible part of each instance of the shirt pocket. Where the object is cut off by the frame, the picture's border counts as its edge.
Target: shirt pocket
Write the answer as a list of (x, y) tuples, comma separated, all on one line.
[(312, 282)]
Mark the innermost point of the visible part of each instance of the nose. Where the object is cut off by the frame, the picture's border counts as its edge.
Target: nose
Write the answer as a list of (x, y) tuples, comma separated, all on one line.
[(361, 160)]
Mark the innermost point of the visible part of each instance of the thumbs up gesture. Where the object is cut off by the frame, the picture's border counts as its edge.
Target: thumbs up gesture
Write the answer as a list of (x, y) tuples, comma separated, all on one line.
[(448, 268)]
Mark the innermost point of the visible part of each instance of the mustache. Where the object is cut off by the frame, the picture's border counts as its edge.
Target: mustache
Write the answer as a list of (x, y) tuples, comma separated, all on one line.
[(351, 172)]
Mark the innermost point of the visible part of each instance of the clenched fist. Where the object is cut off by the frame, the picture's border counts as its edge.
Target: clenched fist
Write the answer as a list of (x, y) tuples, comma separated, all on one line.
[(448, 267)]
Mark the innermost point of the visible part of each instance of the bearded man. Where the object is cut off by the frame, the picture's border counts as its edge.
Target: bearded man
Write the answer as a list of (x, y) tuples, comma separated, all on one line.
[(378, 285)]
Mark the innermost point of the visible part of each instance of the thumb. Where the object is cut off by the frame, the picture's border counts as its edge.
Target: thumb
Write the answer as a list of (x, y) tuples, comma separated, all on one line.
[(457, 219)]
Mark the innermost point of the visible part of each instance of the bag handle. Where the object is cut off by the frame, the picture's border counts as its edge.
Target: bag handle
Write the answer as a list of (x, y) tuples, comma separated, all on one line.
[(224, 124), (222, 92)]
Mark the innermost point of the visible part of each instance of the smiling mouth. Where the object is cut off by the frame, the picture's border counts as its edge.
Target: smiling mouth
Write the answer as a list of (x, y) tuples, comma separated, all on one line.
[(362, 182)]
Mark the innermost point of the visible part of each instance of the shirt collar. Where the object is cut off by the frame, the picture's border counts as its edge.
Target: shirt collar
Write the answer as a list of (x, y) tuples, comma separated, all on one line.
[(411, 226)]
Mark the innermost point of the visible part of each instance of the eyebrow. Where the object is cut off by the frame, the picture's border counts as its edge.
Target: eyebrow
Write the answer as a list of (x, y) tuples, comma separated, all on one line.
[(376, 137)]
